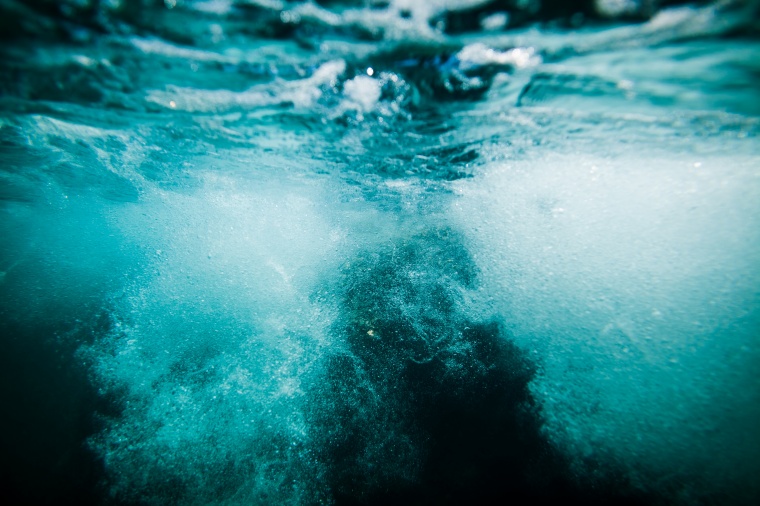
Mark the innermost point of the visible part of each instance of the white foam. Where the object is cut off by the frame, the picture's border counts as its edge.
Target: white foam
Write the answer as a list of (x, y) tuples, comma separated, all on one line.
[(633, 282), (362, 93), (480, 54), (302, 93)]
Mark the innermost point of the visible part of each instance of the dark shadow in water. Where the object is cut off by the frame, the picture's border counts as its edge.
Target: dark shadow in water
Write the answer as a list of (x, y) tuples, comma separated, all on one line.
[(427, 406), (48, 404)]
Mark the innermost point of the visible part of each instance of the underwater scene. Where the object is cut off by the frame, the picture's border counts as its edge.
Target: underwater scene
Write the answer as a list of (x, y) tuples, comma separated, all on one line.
[(369, 252)]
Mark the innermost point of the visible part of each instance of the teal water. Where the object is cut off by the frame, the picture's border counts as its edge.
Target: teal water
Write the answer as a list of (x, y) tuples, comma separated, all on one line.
[(263, 252)]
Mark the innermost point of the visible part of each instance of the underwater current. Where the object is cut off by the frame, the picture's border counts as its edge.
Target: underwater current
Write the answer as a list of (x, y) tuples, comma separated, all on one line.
[(433, 252)]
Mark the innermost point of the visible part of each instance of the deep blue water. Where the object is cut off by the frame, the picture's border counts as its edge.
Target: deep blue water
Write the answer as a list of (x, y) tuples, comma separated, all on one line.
[(380, 252)]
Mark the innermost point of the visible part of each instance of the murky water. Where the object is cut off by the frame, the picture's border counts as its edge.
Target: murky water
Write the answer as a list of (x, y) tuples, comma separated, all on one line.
[(442, 252)]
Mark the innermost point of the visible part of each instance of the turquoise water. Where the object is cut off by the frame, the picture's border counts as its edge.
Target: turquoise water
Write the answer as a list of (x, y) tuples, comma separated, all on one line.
[(263, 252)]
